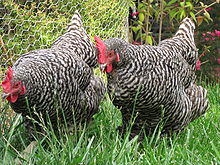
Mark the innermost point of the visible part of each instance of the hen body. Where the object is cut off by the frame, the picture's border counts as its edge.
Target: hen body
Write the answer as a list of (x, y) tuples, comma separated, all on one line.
[(59, 81), (155, 85)]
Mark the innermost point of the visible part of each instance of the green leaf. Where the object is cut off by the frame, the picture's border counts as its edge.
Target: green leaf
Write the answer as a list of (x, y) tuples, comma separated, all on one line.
[(190, 5), (140, 23), (193, 16), (202, 4), (171, 2), (182, 4), (140, 5), (135, 28), (143, 37), (149, 40), (206, 20), (182, 14), (141, 17), (207, 15), (173, 13)]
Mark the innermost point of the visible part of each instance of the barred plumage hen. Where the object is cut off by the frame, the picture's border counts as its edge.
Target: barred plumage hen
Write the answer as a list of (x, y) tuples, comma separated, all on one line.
[(154, 84), (57, 82)]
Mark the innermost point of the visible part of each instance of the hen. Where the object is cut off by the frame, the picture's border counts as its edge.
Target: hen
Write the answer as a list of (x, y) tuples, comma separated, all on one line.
[(154, 85), (56, 83)]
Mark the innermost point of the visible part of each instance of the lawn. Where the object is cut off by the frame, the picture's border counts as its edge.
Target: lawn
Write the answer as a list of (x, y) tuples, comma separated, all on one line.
[(100, 143)]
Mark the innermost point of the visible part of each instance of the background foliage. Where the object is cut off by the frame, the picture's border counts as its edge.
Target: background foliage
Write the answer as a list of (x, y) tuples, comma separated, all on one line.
[(154, 20), (35, 24)]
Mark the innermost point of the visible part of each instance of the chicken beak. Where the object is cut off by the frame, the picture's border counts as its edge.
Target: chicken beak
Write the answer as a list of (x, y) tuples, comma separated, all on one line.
[(102, 67), (5, 95)]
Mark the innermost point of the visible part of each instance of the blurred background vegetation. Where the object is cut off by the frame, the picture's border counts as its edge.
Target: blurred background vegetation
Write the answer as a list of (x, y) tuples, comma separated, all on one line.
[(154, 20), (35, 24)]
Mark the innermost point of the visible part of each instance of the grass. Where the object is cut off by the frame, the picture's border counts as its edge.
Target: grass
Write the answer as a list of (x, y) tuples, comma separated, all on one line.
[(100, 143)]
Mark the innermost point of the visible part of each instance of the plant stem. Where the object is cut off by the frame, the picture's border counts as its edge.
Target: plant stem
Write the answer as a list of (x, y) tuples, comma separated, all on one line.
[(206, 8), (147, 19), (161, 20)]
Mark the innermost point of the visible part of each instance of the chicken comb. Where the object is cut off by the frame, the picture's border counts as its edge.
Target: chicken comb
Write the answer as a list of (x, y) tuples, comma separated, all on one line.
[(6, 83), (102, 50), (9, 73)]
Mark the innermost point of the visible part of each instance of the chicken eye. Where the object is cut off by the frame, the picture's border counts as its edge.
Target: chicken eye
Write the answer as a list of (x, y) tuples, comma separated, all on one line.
[(111, 53), (17, 84)]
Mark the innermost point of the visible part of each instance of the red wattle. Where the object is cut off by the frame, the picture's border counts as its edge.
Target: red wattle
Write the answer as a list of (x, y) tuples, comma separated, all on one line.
[(12, 98), (109, 68)]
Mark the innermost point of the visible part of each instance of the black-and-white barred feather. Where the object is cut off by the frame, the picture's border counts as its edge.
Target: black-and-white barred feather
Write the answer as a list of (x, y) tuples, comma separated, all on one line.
[(183, 42), (155, 84), (56, 82)]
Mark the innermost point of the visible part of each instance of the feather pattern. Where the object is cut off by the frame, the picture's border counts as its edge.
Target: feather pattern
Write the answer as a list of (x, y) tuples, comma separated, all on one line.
[(59, 81), (156, 84)]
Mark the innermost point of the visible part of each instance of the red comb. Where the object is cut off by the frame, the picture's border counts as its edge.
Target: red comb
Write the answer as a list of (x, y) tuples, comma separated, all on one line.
[(9, 73), (102, 50), (6, 83)]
